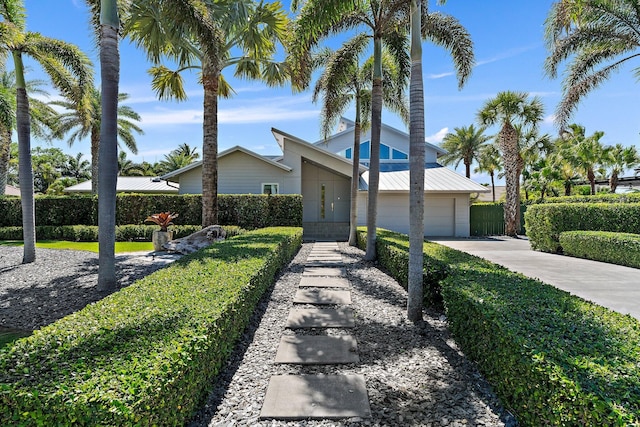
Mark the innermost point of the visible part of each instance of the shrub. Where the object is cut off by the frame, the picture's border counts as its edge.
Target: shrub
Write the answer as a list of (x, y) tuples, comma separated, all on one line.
[(248, 211), (614, 248), (89, 233), (598, 198), (147, 354), (552, 358), (545, 222)]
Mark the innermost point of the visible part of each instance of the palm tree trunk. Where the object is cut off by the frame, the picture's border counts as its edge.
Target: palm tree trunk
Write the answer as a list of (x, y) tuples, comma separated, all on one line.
[(210, 80), (467, 167), (25, 171), (416, 170), (374, 165), (355, 177), (613, 182), (5, 152), (95, 148), (592, 181), (108, 166), (567, 189), (509, 145), (493, 187)]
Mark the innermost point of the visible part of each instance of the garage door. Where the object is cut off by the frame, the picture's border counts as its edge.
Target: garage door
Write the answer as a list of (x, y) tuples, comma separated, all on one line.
[(439, 217)]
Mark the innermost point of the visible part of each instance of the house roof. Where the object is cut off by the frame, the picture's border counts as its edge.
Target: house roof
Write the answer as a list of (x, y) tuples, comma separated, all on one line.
[(10, 190), (350, 125), (436, 180), (267, 159), (131, 184), (312, 148)]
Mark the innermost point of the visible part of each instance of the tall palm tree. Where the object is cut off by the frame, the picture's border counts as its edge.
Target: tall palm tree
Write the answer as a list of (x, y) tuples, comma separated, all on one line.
[(464, 145), (42, 117), (69, 70), (75, 121), (587, 152), (490, 161), (386, 23), (596, 37), (508, 109), (620, 158), (343, 81), (187, 151), (173, 161), (77, 168), (207, 35)]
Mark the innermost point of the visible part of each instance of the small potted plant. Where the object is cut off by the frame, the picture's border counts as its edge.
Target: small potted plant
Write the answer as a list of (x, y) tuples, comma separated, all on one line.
[(162, 236)]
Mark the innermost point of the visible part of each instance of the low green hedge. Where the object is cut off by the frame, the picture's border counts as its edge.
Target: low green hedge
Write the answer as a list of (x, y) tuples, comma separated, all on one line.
[(147, 354), (597, 198), (392, 251), (614, 248), (545, 222), (89, 233), (552, 358), (248, 211)]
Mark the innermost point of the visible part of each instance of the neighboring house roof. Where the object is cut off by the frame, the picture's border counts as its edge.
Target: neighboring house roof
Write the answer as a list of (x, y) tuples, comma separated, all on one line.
[(350, 125), (501, 190), (131, 184), (266, 159), (436, 180), (10, 190)]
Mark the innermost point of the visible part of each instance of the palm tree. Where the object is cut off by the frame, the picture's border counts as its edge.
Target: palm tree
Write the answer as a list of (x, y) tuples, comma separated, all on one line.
[(509, 109), (185, 150), (75, 121), (69, 70), (586, 153), (597, 37), (206, 35), (620, 158), (173, 161), (489, 161), (464, 145), (42, 117), (344, 81), (385, 22), (77, 168)]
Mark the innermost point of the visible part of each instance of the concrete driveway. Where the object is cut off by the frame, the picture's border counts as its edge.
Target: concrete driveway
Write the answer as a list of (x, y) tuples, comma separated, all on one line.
[(609, 285)]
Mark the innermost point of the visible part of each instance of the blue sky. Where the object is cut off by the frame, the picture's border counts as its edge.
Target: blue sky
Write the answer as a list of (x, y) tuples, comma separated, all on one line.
[(509, 49)]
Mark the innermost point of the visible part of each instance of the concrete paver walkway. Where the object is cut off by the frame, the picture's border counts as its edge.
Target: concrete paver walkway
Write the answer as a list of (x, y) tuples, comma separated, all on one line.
[(612, 286)]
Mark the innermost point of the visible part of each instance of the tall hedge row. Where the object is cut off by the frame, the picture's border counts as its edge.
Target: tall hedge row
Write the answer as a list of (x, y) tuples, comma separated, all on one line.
[(545, 222), (605, 246), (146, 355), (247, 210), (597, 198), (551, 357)]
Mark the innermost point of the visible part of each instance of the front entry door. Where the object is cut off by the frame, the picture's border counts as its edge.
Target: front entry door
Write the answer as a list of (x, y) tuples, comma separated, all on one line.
[(334, 200), (327, 204)]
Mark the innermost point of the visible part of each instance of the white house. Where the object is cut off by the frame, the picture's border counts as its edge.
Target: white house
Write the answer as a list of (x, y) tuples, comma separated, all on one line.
[(321, 173)]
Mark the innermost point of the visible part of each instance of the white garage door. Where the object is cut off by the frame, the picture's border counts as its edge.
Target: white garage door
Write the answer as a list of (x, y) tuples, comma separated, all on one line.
[(439, 217)]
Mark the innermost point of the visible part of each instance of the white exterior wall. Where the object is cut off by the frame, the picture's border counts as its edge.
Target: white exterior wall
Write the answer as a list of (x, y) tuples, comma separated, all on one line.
[(393, 213), (191, 181)]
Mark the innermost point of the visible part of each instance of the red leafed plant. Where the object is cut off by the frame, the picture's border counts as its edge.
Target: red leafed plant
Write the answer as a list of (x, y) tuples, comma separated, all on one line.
[(163, 219)]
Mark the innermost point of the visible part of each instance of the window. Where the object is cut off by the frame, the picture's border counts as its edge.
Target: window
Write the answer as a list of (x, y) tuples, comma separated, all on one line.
[(347, 153), (384, 152), (399, 155), (270, 188), (364, 150)]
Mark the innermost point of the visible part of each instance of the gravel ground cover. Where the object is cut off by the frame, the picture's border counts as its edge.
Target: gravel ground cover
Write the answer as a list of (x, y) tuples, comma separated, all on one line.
[(415, 376), (59, 283)]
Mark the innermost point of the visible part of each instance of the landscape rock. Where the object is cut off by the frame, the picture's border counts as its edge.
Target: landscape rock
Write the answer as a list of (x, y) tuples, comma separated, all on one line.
[(196, 241)]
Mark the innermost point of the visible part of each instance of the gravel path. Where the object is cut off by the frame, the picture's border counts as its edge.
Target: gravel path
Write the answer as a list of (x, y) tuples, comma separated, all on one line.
[(414, 376), (59, 283)]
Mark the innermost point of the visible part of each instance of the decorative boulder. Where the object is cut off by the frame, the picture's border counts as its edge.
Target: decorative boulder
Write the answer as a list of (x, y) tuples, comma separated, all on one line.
[(196, 241)]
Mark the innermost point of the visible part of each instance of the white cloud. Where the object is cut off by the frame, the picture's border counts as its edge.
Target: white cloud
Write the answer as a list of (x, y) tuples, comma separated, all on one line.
[(437, 137), (439, 76), (507, 54), (550, 119)]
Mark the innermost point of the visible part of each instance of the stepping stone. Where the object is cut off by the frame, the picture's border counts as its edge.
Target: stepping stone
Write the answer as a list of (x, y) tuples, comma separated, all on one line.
[(317, 350), (303, 397), (324, 282), (321, 296), (320, 318), (312, 263), (324, 271), (324, 258)]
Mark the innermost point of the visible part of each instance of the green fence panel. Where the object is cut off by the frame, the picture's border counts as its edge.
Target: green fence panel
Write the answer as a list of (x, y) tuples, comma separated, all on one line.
[(488, 219)]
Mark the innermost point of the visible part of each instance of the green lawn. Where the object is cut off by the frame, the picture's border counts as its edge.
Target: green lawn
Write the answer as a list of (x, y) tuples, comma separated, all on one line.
[(84, 246)]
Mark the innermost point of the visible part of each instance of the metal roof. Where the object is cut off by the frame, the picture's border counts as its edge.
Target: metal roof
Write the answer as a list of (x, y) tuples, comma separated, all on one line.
[(131, 184), (436, 180)]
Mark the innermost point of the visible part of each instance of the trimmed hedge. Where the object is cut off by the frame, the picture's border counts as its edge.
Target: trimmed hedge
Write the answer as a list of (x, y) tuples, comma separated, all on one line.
[(545, 222), (614, 248), (392, 251), (89, 233), (147, 354), (552, 358), (248, 211), (598, 198)]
